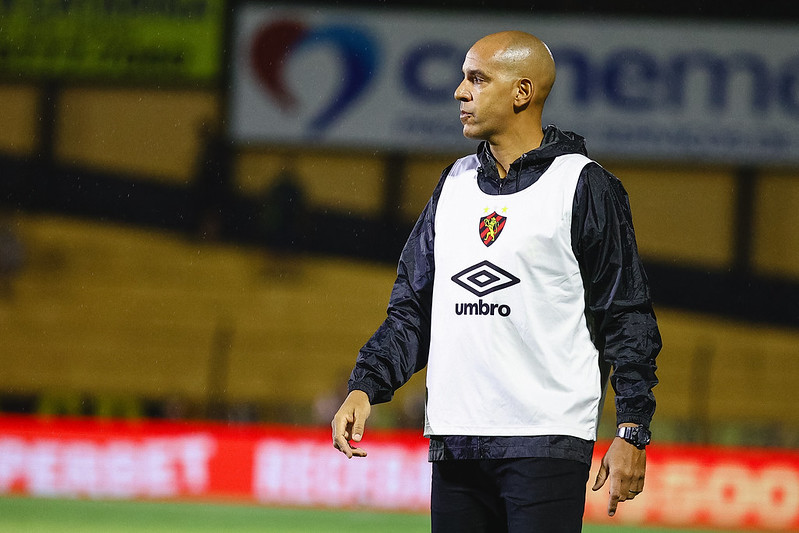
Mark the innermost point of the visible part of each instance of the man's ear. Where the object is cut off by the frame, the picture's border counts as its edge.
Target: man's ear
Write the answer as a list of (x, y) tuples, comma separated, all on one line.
[(525, 91)]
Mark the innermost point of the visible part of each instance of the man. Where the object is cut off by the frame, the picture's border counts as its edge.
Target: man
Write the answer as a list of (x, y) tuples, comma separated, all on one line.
[(519, 287)]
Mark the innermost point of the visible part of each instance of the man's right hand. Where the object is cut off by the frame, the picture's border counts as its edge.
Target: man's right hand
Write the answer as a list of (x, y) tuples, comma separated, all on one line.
[(349, 422)]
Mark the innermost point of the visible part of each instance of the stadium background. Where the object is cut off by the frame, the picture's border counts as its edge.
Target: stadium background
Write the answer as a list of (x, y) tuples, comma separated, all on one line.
[(154, 269)]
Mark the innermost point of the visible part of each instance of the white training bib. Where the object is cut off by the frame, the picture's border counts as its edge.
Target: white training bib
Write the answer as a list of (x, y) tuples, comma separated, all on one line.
[(510, 350)]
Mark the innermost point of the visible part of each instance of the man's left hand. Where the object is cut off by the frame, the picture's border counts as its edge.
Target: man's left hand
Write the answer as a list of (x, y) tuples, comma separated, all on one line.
[(625, 466)]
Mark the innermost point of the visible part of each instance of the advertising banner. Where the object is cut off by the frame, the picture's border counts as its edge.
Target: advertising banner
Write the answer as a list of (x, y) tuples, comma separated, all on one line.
[(112, 40), (385, 79), (289, 466)]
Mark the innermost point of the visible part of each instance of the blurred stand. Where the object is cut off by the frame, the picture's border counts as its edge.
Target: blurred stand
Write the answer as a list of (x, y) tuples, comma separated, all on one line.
[(282, 223), (211, 189), (12, 254)]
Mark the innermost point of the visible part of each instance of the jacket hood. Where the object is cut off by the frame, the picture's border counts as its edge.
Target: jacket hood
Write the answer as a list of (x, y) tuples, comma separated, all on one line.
[(556, 142), (527, 168)]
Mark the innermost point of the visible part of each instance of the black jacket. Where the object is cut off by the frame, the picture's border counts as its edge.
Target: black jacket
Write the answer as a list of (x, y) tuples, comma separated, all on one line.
[(619, 313)]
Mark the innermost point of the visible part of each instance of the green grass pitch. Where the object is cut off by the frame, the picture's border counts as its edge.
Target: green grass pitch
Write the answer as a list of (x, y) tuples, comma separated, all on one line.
[(29, 515)]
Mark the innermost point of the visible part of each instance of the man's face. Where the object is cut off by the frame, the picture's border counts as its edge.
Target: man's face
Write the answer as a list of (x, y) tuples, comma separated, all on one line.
[(486, 95)]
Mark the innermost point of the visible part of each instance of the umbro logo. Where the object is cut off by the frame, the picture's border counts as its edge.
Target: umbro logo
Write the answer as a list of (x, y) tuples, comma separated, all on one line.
[(484, 278)]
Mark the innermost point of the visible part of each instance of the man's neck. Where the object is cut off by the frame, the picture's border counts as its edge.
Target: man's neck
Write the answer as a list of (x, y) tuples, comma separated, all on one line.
[(506, 151)]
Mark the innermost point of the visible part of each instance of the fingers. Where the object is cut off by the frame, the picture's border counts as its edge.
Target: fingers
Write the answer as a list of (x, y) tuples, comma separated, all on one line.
[(636, 487), (349, 422), (615, 491), (624, 486), (621, 490), (623, 468), (358, 427), (601, 477), (358, 452), (619, 487), (340, 437), (344, 446)]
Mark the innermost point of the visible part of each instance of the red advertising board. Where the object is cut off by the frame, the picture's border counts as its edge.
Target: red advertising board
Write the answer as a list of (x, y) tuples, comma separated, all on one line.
[(715, 487), (281, 465)]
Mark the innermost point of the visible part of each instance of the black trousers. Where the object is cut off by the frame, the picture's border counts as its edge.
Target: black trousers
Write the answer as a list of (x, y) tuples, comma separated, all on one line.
[(530, 495)]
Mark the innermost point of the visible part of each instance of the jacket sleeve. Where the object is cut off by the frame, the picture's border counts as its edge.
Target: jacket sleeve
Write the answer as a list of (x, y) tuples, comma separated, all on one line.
[(618, 303), (400, 345)]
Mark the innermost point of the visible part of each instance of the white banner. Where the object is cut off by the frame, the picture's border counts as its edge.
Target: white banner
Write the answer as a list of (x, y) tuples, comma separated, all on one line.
[(634, 88)]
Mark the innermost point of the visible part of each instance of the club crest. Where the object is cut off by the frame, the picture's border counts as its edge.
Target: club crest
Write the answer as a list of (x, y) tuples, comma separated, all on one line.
[(490, 228)]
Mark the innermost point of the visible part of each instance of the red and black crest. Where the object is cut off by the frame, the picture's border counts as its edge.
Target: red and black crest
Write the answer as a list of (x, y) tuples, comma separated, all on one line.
[(490, 227)]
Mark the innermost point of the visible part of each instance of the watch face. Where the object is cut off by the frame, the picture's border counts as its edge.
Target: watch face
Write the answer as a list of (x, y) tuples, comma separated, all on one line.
[(641, 436), (637, 436)]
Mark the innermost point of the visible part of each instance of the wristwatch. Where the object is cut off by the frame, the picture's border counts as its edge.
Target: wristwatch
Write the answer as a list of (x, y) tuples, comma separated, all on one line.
[(638, 436)]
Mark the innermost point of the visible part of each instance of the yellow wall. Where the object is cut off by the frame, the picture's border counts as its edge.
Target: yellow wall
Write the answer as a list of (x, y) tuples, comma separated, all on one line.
[(681, 215), (753, 370), (18, 125), (108, 309), (147, 132), (343, 182), (776, 242), (421, 178)]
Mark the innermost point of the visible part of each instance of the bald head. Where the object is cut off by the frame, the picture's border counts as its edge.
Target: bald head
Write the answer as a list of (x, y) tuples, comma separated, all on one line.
[(521, 55), (507, 77)]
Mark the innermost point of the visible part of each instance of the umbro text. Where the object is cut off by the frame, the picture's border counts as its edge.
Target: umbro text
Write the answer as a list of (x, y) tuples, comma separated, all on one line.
[(482, 308)]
